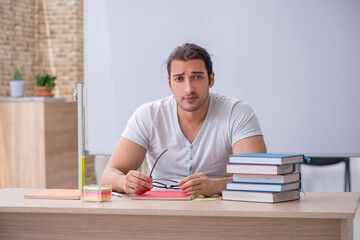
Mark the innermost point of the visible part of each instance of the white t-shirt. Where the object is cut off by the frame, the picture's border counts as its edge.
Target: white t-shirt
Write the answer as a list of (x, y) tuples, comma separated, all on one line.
[(155, 126)]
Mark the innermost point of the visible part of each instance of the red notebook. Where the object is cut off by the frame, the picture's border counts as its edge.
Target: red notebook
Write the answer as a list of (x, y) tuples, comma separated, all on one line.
[(163, 195)]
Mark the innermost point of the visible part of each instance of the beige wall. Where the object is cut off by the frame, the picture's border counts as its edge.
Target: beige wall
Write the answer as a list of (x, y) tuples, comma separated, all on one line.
[(42, 35)]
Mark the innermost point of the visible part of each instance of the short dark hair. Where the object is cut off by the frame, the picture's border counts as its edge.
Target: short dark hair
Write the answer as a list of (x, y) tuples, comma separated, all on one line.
[(190, 51)]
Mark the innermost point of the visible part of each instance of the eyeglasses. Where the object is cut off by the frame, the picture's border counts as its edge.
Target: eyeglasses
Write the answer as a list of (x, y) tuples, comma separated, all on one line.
[(152, 169), (163, 183)]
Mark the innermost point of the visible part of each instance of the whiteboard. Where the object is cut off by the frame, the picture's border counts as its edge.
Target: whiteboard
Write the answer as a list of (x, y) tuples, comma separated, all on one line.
[(297, 63)]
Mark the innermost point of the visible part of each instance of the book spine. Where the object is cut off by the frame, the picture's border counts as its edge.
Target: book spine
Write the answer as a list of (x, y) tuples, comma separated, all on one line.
[(259, 169)]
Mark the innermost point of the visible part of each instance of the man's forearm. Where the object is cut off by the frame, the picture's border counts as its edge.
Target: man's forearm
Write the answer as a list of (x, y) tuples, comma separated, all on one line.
[(115, 178)]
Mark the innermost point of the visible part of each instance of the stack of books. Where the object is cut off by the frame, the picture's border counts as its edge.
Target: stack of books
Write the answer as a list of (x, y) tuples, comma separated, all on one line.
[(261, 177)]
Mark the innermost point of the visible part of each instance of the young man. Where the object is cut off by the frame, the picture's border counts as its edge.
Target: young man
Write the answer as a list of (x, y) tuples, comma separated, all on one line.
[(199, 130)]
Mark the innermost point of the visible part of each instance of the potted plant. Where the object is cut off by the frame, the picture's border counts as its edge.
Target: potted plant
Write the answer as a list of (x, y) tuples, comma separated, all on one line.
[(44, 85), (17, 85)]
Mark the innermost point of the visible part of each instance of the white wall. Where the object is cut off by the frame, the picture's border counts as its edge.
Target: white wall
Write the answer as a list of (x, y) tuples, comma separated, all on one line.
[(330, 178), (296, 62)]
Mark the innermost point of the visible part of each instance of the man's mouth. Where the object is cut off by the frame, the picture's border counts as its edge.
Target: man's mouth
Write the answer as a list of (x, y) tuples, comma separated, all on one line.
[(190, 98)]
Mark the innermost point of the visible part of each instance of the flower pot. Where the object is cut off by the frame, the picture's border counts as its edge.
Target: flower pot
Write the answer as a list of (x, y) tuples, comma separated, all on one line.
[(17, 88), (44, 91)]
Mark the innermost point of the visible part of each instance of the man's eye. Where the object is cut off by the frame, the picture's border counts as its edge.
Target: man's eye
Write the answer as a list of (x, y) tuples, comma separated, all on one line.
[(197, 77), (178, 79)]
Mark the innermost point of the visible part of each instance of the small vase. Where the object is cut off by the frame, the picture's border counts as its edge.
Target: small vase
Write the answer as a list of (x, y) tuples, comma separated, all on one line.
[(17, 88), (44, 91)]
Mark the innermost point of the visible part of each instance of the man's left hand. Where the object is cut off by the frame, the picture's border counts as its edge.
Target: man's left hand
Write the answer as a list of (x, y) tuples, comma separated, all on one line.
[(200, 184)]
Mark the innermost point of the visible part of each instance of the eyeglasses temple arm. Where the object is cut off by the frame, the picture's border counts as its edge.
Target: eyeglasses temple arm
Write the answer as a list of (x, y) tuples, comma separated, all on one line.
[(156, 162)]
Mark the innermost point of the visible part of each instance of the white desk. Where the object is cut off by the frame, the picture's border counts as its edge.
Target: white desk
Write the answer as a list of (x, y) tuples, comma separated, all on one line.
[(315, 216)]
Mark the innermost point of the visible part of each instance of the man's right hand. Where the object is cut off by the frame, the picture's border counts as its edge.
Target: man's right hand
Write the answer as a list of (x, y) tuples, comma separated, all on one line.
[(120, 171), (136, 182)]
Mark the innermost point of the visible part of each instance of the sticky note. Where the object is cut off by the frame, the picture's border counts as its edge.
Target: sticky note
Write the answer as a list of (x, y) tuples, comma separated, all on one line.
[(204, 199), (94, 193)]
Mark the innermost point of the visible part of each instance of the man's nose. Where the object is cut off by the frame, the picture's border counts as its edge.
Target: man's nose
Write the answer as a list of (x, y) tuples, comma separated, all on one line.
[(189, 86)]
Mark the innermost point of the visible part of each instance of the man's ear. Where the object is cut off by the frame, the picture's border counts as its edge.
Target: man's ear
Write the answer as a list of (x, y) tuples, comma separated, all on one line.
[(212, 80), (169, 83)]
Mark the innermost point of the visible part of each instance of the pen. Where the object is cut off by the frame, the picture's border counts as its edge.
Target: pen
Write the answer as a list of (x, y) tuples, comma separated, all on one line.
[(116, 194)]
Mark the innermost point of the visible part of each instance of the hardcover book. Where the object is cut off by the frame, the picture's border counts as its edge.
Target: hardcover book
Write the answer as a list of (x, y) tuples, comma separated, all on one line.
[(266, 158), (265, 197), (265, 187), (266, 178), (259, 169)]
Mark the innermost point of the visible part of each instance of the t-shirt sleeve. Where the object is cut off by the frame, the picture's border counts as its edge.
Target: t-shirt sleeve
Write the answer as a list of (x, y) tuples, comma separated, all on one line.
[(243, 122), (138, 128)]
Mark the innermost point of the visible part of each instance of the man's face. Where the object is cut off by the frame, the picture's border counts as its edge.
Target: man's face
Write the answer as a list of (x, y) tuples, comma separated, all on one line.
[(189, 82)]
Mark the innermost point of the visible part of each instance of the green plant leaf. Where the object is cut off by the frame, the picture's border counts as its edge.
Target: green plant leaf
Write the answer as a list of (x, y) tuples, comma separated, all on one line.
[(17, 75), (45, 81), (47, 77), (52, 81)]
